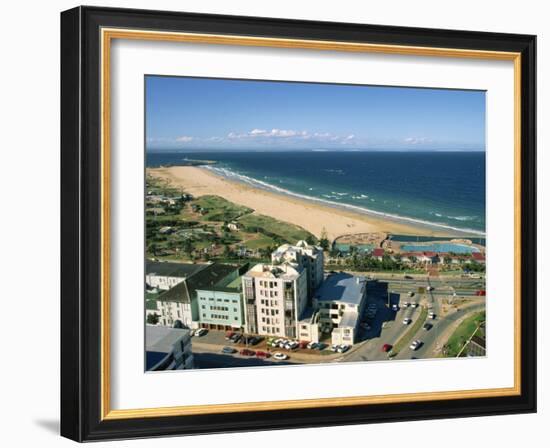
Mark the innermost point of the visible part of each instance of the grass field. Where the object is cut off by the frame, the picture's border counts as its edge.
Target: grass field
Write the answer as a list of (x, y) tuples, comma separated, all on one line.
[(220, 209), (273, 228), (463, 333)]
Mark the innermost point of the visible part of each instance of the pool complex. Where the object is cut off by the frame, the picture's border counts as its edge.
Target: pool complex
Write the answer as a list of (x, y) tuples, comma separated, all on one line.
[(440, 248)]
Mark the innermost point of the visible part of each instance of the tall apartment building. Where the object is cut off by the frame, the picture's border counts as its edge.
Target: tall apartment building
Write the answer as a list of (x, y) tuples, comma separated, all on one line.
[(275, 296), (307, 256), (167, 349)]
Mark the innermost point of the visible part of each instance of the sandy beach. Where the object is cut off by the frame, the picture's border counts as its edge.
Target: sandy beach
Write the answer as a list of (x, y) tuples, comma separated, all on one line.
[(311, 216)]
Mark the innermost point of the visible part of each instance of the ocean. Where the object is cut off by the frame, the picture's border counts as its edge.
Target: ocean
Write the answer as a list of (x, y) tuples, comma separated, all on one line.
[(444, 189)]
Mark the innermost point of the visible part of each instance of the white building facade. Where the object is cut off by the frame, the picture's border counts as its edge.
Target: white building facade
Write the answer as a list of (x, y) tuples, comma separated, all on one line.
[(275, 296), (305, 255)]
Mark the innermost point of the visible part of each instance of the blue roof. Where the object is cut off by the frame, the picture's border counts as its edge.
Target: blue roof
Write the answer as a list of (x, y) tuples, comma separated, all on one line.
[(342, 287)]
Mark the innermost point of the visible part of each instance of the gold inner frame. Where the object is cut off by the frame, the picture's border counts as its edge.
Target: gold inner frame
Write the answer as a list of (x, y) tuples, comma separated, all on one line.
[(107, 35)]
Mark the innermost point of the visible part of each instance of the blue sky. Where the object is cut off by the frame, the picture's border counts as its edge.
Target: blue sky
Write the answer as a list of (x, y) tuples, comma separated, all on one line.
[(212, 114)]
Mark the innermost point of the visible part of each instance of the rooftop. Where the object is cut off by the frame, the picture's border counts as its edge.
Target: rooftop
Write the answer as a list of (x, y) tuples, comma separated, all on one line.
[(205, 278), (342, 287), (285, 271), (167, 269), (159, 342)]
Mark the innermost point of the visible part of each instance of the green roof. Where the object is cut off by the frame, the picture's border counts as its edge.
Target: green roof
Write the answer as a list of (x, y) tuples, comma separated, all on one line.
[(204, 279), (166, 269)]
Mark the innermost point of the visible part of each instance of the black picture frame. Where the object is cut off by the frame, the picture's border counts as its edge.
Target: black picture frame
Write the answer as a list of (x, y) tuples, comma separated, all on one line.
[(81, 224)]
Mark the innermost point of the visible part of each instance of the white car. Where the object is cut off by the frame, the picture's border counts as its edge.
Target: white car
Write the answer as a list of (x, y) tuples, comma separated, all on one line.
[(431, 315), (414, 304), (280, 356), (411, 293), (415, 344), (430, 288), (311, 345), (199, 332), (343, 348), (405, 304), (334, 347), (407, 321)]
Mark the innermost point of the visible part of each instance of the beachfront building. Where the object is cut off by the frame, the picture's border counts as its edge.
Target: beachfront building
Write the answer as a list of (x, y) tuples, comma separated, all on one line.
[(167, 349), (341, 301), (178, 305), (164, 275), (221, 306), (275, 297), (305, 255)]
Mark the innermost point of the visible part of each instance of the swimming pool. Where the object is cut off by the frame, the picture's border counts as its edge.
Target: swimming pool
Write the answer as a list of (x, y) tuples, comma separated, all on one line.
[(440, 248)]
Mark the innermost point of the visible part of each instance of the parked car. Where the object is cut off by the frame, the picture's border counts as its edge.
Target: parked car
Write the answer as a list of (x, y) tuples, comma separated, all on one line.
[(280, 356), (228, 350), (321, 346), (386, 347), (427, 326), (229, 335), (407, 321), (303, 344), (200, 332), (247, 352), (415, 344), (261, 354), (411, 294), (408, 277), (343, 348), (312, 345), (236, 338), (334, 347)]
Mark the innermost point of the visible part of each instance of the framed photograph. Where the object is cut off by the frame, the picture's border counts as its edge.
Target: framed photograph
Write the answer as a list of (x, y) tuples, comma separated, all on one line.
[(277, 224)]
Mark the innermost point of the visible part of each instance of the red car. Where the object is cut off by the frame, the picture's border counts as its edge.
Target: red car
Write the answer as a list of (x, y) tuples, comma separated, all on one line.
[(386, 347), (260, 354), (246, 352), (303, 344)]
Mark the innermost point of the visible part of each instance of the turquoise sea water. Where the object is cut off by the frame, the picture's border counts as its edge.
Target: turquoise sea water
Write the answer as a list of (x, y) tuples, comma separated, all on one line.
[(443, 189)]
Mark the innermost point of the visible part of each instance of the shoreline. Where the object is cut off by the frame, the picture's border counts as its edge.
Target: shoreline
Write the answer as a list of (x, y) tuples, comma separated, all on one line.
[(310, 214)]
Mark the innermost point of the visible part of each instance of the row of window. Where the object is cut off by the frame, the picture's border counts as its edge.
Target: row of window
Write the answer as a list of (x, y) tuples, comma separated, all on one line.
[(265, 293), (267, 320), (218, 316), (219, 300)]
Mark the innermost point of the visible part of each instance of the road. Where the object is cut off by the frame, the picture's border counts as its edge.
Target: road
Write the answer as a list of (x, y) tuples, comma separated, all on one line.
[(431, 343)]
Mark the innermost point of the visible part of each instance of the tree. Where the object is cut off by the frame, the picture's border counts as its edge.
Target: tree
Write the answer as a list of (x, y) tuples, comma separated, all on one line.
[(153, 319), (310, 240), (324, 242)]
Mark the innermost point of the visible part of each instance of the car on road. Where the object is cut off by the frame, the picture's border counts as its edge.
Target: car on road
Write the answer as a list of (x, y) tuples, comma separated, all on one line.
[(228, 350), (430, 288), (408, 277), (200, 332), (407, 321), (247, 352), (431, 315), (386, 348), (405, 305), (415, 344), (414, 304), (411, 294), (427, 326), (280, 356)]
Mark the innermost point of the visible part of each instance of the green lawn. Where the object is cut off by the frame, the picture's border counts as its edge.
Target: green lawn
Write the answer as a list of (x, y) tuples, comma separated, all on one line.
[(220, 209), (273, 228), (463, 333)]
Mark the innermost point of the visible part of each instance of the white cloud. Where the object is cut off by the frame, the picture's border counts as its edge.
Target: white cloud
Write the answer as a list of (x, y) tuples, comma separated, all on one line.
[(184, 139), (416, 140)]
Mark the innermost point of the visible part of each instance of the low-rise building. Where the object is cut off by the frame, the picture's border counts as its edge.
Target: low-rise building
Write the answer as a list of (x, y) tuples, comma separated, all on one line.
[(167, 349), (180, 302), (165, 275), (275, 296), (341, 302), (221, 306)]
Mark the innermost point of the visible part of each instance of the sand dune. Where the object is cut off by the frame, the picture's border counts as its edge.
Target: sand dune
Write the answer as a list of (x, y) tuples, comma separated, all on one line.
[(309, 215)]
